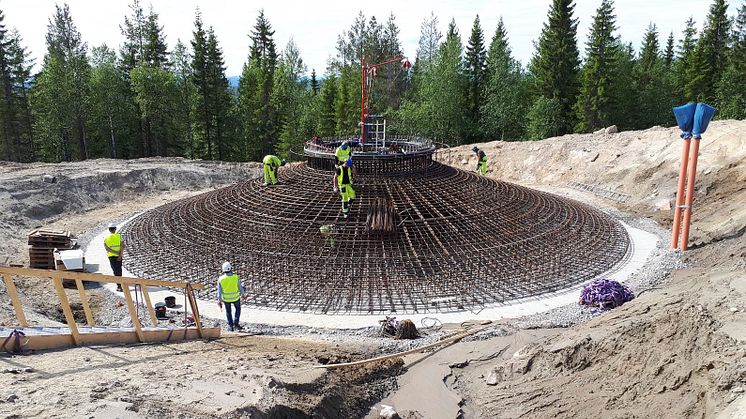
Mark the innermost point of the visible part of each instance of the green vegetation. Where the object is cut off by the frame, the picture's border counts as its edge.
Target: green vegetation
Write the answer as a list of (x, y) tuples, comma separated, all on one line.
[(144, 100)]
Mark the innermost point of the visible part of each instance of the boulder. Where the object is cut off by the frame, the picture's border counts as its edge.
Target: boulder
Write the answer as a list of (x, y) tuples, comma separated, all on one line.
[(612, 130)]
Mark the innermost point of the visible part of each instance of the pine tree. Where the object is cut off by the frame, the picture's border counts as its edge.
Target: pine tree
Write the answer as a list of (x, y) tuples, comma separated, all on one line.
[(430, 36), (555, 65), (134, 32), (731, 90), (290, 97), (475, 66), (710, 56), (596, 100), (505, 97)]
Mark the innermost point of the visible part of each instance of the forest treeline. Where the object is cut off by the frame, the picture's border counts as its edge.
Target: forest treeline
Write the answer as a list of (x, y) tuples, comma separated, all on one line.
[(142, 99)]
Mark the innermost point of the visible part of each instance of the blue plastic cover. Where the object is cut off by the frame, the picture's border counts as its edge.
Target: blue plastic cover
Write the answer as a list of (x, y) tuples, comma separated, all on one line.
[(685, 118), (702, 118)]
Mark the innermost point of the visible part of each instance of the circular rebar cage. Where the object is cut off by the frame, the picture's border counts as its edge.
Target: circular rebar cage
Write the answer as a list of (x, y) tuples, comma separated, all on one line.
[(428, 238)]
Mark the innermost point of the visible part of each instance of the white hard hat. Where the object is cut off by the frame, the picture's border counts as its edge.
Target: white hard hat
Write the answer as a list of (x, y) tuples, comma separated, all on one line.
[(112, 225), (227, 267)]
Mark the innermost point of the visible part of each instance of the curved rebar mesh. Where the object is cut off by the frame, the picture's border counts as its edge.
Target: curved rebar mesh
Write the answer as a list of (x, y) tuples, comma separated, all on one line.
[(461, 241)]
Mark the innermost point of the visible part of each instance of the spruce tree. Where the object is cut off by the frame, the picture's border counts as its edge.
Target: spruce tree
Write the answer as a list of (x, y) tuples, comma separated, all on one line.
[(731, 92), (314, 83), (181, 63), (475, 66), (259, 117), (155, 52), (596, 104), (220, 99), (7, 132), (21, 66), (668, 54), (201, 81), (653, 107), (133, 30), (556, 64), (710, 56), (505, 103), (684, 62), (430, 36), (448, 103)]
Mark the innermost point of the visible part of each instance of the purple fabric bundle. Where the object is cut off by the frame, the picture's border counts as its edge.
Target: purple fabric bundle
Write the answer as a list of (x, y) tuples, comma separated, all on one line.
[(605, 294)]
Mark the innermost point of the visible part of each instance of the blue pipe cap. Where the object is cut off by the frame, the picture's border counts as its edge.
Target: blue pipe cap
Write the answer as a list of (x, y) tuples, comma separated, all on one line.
[(685, 118), (702, 118)]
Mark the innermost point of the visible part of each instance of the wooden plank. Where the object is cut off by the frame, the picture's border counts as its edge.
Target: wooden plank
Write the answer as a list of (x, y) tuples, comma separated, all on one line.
[(46, 273), (13, 293), (133, 313), (195, 308), (84, 301), (66, 310), (151, 311), (36, 343)]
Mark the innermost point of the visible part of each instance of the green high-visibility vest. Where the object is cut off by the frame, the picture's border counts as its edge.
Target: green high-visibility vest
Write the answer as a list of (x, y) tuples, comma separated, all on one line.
[(229, 288), (114, 242)]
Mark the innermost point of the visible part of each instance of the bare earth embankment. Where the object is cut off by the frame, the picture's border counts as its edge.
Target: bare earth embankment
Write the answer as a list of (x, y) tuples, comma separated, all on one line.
[(675, 351)]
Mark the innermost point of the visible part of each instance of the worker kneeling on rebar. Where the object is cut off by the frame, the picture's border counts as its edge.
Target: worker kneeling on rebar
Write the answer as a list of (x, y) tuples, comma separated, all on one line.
[(481, 161), (343, 179), (271, 164)]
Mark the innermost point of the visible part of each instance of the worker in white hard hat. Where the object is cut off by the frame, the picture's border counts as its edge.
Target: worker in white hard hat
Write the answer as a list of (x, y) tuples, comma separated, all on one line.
[(230, 292), (114, 250)]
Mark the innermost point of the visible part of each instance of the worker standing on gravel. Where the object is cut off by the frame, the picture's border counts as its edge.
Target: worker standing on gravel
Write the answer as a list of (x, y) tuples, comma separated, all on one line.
[(230, 292), (271, 164), (343, 180), (343, 153), (481, 161), (114, 250)]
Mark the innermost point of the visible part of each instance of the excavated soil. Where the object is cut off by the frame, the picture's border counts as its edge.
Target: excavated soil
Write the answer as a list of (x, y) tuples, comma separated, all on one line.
[(675, 351)]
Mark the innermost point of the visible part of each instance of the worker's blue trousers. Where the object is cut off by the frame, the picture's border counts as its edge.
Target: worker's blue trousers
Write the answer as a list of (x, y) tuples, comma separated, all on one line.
[(231, 321)]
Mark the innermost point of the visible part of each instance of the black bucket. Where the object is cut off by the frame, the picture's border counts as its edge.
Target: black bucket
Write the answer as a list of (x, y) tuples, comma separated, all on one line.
[(170, 301), (160, 311)]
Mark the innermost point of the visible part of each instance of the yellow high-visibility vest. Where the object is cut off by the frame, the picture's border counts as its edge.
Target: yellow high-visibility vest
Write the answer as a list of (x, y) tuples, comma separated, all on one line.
[(229, 288), (114, 242)]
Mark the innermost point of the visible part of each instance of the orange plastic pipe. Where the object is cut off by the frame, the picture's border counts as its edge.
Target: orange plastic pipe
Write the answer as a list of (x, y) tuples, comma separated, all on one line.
[(680, 193), (693, 156)]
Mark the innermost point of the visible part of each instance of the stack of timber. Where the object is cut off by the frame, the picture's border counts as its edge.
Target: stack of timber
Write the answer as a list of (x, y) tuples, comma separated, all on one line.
[(42, 244)]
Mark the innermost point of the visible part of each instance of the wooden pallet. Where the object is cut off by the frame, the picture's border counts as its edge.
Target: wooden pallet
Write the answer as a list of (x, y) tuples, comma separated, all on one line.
[(51, 239)]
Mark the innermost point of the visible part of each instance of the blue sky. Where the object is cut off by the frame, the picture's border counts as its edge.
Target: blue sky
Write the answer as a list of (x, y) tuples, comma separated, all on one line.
[(315, 26)]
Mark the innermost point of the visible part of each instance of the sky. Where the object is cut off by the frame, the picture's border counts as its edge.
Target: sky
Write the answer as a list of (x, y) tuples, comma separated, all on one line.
[(315, 26)]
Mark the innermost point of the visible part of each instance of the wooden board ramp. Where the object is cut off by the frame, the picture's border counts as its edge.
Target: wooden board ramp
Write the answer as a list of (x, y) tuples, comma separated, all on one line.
[(24, 337)]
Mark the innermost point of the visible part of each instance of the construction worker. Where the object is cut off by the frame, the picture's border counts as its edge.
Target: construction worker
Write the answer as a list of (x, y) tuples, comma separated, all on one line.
[(481, 161), (230, 293), (343, 180), (343, 153), (114, 250), (271, 164)]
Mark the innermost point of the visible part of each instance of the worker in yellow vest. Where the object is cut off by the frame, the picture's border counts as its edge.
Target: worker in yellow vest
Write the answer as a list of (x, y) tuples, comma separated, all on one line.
[(230, 292), (343, 152), (271, 164), (114, 250), (481, 161), (343, 181)]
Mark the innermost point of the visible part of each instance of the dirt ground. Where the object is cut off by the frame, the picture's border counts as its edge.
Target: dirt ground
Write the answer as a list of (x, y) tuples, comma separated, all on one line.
[(675, 351)]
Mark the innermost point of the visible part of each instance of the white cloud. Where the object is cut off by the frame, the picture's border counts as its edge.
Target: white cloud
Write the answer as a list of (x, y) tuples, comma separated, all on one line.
[(315, 25)]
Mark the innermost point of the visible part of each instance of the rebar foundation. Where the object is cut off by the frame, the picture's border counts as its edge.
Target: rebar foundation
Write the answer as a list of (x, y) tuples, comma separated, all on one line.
[(461, 241)]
